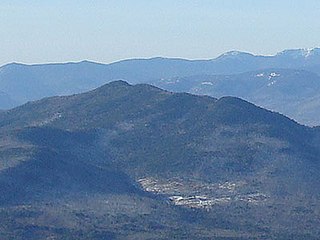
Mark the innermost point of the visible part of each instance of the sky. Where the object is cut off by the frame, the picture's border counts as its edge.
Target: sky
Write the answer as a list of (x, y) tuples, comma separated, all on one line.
[(43, 31)]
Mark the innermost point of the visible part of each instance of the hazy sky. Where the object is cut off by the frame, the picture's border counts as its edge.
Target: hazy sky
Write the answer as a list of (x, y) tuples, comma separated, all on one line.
[(39, 31)]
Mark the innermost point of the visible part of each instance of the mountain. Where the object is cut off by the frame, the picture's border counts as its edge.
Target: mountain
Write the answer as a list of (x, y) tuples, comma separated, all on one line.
[(294, 93), (22, 83), (137, 162), (6, 101)]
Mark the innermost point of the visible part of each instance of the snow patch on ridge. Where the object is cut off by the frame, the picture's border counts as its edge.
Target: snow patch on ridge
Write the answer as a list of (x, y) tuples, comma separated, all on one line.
[(271, 77), (207, 83)]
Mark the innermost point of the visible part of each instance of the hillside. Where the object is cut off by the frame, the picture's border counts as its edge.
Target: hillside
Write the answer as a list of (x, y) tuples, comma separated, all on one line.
[(294, 93), (21, 83), (134, 161)]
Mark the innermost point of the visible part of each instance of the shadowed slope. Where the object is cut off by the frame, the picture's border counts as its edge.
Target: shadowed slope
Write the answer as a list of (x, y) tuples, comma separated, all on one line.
[(242, 170)]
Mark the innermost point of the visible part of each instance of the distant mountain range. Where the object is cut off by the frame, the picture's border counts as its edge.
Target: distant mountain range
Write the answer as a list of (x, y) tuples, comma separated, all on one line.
[(138, 162), (299, 69), (295, 93)]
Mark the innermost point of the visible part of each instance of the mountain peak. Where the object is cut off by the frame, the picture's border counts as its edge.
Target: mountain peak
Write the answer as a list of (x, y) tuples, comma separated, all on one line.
[(234, 54), (13, 64), (117, 84), (302, 52)]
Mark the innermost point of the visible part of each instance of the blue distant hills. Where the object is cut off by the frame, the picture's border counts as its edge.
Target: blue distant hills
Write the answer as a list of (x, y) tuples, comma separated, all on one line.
[(287, 82)]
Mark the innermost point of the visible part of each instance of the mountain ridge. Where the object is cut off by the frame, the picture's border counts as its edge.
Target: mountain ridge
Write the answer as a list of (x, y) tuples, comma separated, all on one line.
[(22, 83), (176, 165), (232, 52)]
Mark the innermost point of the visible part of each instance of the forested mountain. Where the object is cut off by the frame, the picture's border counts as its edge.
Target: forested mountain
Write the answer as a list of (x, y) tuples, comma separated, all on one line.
[(298, 69), (137, 162)]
